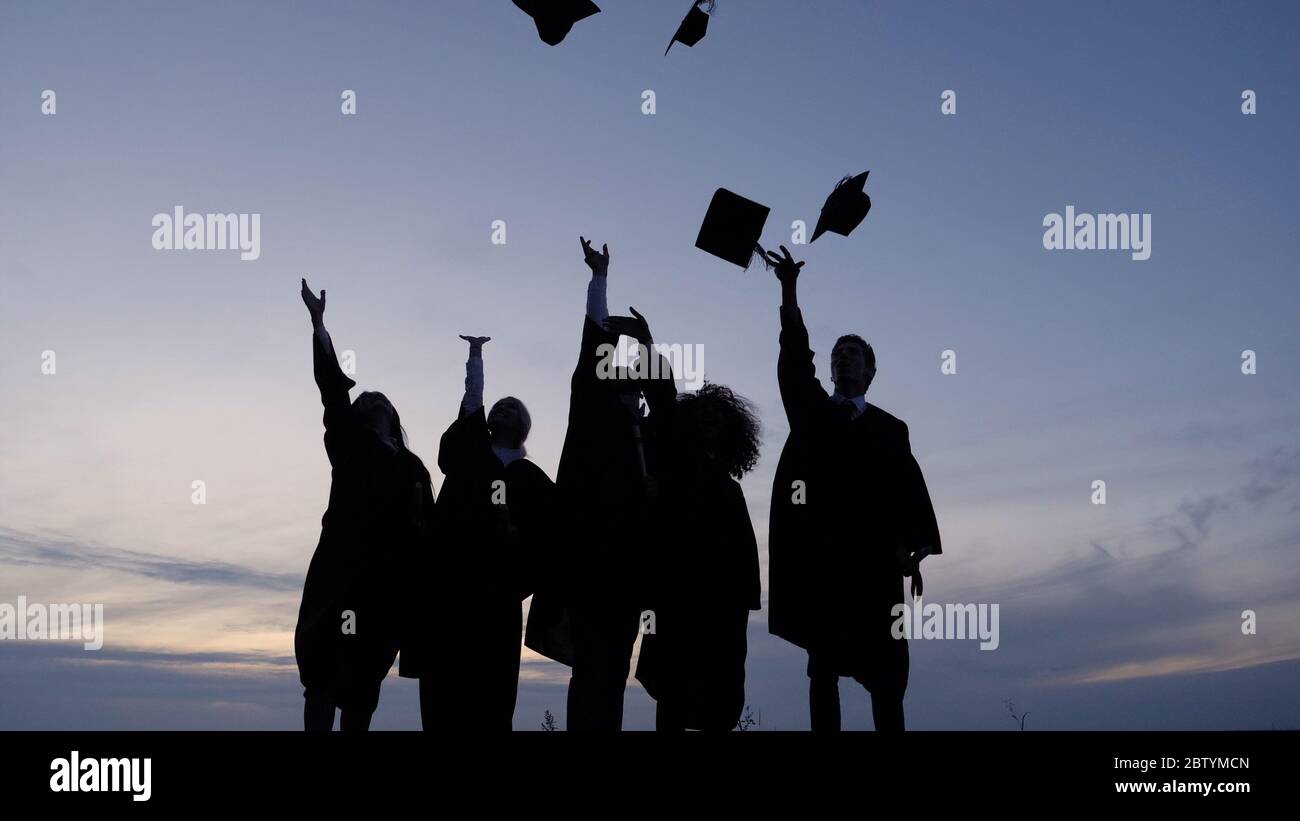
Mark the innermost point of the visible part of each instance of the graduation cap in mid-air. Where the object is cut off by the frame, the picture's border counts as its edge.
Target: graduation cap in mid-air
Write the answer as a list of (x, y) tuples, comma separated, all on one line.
[(732, 227), (554, 18), (694, 26), (845, 208)]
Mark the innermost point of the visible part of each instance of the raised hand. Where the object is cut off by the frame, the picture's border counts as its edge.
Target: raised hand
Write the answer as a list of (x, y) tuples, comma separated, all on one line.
[(476, 343), (597, 262), (784, 266), (315, 305), (634, 326)]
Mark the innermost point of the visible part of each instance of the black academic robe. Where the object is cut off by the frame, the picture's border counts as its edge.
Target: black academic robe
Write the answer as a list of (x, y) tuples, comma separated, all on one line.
[(493, 519), (847, 500), (378, 523), (704, 583), (603, 543)]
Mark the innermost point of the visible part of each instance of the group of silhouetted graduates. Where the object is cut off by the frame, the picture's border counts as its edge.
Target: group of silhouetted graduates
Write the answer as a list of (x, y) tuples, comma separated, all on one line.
[(645, 516)]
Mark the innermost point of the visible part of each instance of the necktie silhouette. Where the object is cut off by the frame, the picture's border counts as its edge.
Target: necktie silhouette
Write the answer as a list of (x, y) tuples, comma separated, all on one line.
[(846, 406)]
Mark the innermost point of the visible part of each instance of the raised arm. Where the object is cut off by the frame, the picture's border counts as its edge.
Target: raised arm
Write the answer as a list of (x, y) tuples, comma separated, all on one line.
[(585, 375), (796, 374), (787, 273), (473, 399), (465, 448), (330, 379), (597, 308)]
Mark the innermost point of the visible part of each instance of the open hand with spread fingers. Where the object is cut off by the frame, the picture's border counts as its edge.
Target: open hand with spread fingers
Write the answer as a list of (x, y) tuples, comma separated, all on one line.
[(784, 265)]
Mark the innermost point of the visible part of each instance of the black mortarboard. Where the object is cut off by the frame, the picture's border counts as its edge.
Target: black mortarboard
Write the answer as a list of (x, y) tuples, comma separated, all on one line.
[(845, 208), (694, 25), (732, 227), (554, 18)]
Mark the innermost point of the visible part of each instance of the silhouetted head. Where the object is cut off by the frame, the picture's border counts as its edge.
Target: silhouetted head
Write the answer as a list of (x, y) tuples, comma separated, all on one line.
[(853, 365), (721, 423), (509, 422), (378, 414)]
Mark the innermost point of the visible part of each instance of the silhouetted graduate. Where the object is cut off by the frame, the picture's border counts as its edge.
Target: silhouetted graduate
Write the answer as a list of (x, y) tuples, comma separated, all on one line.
[(494, 514), (377, 526), (554, 18), (588, 615), (705, 570), (850, 518)]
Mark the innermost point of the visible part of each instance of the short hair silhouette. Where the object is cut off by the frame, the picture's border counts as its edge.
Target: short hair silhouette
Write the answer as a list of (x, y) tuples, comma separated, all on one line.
[(868, 353)]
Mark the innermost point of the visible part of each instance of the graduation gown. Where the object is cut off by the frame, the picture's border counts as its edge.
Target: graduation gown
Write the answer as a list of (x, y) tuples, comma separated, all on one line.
[(487, 535), (834, 568), (705, 582), (603, 544), (378, 523)]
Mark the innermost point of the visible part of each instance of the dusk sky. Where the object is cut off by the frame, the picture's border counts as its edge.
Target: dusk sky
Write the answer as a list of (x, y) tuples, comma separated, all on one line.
[(1072, 366)]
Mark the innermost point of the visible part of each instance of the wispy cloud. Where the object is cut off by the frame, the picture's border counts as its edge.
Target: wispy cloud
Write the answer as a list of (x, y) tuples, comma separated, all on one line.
[(1275, 475), (25, 549)]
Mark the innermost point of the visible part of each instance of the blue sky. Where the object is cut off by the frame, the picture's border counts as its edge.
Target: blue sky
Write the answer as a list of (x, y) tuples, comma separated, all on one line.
[(1072, 366)]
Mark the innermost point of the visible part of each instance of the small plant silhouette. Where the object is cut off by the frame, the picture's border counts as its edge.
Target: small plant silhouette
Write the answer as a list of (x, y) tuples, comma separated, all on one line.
[(748, 721), (1018, 718), (548, 722)]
